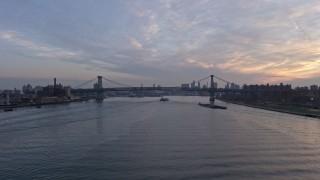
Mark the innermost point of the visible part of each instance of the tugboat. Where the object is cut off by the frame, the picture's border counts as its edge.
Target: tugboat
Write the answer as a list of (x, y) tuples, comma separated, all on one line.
[(164, 99)]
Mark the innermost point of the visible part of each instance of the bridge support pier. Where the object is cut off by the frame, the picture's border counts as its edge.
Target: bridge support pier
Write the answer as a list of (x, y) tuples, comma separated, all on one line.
[(100, 92), (212, 98)]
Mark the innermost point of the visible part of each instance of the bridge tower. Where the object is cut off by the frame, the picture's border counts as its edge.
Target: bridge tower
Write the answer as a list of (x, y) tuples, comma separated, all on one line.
[(212, 98), (99, 88)]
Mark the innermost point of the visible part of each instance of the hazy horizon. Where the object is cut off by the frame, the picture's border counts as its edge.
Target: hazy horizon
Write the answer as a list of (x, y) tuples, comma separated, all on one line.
[(11, 83)]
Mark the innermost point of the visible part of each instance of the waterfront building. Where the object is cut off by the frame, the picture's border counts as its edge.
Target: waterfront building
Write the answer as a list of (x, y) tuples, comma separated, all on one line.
[(16, 92), (268, 93), (38, 88), (193, 85), (302, 91), (185, 86), (26, 89), (10, 92), (2, 100), (234, 86), (314, 88), (67, 91), (50, 89)]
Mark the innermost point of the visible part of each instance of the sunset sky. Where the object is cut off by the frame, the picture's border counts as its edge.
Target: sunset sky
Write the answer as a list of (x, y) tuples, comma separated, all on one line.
[(164, 42)]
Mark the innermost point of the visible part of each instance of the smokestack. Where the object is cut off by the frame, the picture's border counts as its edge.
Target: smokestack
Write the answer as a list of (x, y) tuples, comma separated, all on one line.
[(55, 82)]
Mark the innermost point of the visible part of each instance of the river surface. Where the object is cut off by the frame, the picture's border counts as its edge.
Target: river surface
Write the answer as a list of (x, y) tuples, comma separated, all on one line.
[(143, 138)]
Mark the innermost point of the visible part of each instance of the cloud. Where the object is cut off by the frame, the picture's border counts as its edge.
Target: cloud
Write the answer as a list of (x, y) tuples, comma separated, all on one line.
[(267, 40), (150, 30), (40, 50), (197, 63), (102, 64), (135, 43), (288, 61)]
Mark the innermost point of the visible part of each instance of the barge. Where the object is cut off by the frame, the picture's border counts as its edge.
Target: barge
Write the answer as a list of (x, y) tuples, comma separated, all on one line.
[(212, 106)]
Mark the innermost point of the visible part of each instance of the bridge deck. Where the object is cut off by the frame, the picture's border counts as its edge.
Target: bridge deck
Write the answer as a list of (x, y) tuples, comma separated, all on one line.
[(136, 89)]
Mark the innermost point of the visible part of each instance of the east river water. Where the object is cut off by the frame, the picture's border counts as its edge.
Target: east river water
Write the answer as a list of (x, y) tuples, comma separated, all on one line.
[(143, 138)]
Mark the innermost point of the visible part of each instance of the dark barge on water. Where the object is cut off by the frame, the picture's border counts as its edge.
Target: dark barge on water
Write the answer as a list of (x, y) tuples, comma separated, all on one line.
[(212, 106)]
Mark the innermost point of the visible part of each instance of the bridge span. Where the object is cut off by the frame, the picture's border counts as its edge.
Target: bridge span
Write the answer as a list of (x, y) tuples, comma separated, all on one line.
[(100, 90)]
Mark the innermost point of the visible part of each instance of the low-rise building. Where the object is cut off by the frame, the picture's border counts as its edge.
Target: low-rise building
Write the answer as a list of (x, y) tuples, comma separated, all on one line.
[(185, 86)]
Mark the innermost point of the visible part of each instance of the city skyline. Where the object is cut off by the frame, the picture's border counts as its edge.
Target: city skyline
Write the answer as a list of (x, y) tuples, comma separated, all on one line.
[(159, 42)]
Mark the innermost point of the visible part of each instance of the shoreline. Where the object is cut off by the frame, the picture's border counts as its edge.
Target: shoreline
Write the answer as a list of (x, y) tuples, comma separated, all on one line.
[(41, 104), (274, 109)]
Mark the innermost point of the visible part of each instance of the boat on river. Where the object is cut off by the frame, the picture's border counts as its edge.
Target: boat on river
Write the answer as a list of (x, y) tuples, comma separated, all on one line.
[(164, 99), (212, 106)]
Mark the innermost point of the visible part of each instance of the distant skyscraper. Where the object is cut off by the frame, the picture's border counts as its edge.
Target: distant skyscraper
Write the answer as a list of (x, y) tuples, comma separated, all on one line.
[(215, 84), (54, 86), (227, 86)]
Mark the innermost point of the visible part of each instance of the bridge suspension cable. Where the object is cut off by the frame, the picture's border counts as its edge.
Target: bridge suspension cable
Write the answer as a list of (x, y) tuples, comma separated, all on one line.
[(76, 87), (214, 77), (221, 79), (202, 79), (116, 82)]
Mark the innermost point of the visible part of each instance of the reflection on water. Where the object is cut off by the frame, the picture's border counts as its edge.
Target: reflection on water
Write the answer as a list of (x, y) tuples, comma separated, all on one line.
[(139, 138)]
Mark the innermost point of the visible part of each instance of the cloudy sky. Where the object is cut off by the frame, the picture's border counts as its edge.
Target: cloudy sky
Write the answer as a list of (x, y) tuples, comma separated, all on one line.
[(165, 42)]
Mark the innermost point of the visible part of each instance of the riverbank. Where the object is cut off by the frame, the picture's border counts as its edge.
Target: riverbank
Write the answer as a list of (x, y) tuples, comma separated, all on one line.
[(41, 104), (315, 113)]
